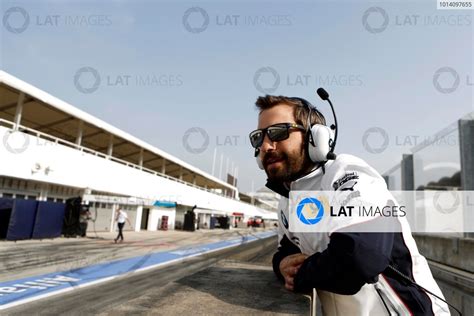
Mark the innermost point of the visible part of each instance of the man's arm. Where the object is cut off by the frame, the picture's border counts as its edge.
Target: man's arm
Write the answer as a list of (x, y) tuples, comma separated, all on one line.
[(285, 249), (350, 261)]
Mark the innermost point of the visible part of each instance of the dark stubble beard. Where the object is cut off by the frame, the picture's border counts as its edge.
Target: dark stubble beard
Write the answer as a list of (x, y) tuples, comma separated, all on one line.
[(294, 165)]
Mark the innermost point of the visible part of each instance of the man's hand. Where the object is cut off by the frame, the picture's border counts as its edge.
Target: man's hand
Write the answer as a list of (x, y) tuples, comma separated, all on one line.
[(289, 266)]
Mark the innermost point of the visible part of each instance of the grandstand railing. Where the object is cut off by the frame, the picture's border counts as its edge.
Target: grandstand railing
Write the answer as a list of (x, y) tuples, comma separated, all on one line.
[(60, 141)]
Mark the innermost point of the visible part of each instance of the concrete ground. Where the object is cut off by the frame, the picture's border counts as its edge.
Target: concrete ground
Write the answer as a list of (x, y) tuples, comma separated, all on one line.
[(33, 257), (236, 281), (226, 288)]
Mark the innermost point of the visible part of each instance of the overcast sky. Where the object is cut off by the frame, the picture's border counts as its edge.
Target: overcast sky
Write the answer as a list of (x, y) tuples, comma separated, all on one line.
[(184, 76)]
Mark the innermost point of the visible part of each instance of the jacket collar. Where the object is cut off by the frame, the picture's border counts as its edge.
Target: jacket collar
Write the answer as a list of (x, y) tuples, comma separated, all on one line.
[(279, 188)]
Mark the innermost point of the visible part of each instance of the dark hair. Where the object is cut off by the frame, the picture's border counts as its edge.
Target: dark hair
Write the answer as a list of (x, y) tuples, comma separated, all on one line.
[(300, 109)]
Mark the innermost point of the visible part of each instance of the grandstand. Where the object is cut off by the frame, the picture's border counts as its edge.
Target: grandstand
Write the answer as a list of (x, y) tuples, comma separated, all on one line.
[(52, 151)]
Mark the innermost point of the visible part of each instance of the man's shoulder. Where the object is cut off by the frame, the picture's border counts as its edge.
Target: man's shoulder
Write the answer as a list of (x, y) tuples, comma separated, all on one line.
[(346, 171), (346, 160)]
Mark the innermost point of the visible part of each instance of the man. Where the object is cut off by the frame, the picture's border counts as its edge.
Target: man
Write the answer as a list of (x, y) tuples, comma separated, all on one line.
[(350, 270), (84, 218), (120, 218)]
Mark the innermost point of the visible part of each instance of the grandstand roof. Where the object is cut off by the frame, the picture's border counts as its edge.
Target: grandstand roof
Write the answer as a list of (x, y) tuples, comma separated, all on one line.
[(50, 115)]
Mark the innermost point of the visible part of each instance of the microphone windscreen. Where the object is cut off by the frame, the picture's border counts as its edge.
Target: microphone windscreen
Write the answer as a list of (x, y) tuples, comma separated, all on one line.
[(331, 156), (322, 94)]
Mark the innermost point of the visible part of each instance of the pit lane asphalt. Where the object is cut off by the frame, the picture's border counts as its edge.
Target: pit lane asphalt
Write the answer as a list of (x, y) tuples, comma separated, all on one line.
[(234, 281)]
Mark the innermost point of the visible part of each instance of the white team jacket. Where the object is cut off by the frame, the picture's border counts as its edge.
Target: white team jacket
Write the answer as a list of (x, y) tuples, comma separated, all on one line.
[(385, 296)]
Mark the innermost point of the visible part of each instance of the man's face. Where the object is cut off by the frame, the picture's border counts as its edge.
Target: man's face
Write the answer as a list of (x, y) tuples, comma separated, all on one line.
[(283, 161)]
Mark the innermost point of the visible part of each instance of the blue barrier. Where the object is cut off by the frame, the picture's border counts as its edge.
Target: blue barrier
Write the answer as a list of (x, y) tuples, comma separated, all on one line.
[(6, 206), (49, 220), (22, 219)]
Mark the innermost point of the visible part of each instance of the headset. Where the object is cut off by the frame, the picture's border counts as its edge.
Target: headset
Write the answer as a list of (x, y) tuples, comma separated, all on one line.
[(320, 139)]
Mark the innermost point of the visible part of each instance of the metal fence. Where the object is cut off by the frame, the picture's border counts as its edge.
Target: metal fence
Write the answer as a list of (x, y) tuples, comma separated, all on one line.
[(442, 162)]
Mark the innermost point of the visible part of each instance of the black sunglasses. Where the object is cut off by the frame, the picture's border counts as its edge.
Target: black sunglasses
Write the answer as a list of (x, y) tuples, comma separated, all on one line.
[(276, 133)]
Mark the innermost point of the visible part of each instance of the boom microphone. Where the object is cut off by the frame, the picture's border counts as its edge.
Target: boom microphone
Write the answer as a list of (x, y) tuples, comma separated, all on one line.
[(325, 97), (323, 94)]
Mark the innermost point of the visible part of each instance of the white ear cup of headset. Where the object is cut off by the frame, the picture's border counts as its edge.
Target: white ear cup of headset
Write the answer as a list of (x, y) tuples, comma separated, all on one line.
[(319, 143), (259, 161)]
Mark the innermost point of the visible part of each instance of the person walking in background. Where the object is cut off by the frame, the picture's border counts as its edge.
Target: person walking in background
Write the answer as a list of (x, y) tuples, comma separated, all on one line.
[(120, 218)]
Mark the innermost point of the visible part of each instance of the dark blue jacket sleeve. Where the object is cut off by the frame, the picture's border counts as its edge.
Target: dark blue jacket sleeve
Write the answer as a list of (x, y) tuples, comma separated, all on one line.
[(286, 248), (350, 261)]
